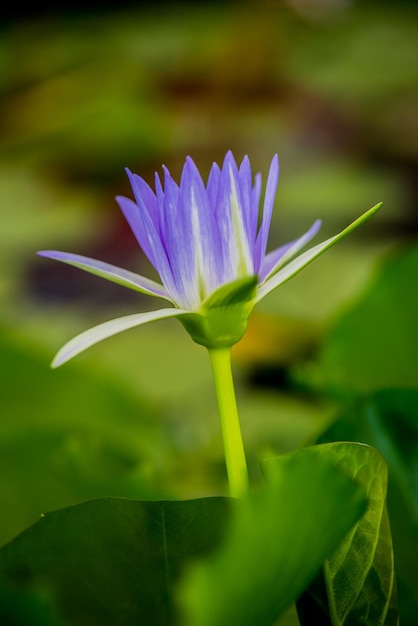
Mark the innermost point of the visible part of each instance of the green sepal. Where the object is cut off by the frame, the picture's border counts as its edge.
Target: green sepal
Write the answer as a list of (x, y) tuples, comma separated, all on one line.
[(223, 317), (235, 292)]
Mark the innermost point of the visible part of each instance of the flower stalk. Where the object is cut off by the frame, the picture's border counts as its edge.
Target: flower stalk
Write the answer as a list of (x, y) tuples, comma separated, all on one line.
[(236, 464)]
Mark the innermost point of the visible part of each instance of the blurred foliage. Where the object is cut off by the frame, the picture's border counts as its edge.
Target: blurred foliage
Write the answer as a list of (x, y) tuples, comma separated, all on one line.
[(69, 438), (27, 608), (384, 320), (333, 88)]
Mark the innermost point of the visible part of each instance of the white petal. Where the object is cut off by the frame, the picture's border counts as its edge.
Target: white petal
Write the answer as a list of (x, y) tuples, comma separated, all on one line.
[(307, 257), (107, 329), (109, 272)]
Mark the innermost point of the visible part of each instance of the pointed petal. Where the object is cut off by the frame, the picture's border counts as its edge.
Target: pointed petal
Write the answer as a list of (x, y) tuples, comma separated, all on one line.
[(307, 257), (144, 196), (212, 186), (255, 209), (160, 200), (271, 188), (255, 200), (245, 184), (168, 208), (277, 258), (149, 239), (168, 201), (107, 329), (179, 243), (237, 254), (201, 250), (132, 215), (109, 272), (184, 208)]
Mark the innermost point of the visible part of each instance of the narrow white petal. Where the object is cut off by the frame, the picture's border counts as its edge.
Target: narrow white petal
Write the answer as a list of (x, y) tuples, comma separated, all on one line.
[(109, 272), (107, 329), (307, 257)]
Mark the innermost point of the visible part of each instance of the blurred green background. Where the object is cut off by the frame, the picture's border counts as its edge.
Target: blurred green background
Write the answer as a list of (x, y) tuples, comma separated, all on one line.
[(331, 86)]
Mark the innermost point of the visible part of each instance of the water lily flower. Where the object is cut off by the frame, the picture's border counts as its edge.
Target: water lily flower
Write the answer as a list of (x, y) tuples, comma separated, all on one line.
[(208, 243)]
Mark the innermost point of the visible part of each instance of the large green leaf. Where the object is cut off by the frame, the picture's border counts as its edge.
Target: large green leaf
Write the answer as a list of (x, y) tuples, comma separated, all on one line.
[(357, 585), (114, 561), (388, 420), (276, 543)]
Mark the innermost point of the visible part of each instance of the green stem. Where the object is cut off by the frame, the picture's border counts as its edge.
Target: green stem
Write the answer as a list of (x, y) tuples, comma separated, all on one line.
[(234, 450)]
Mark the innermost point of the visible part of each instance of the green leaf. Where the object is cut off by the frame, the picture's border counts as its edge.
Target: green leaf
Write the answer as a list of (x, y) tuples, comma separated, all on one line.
[(388, 421), (358, 582), (114, 561), (275, 544)]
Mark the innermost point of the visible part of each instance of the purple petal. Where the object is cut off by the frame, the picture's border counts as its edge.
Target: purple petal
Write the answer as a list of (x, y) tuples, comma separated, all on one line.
[(202, 251), (144, 196), (236, 250), (245, 184), (212, 187), (149, 240), (271, 188), (135, 220), (168, 201), (178, 241), (160, 199), (255, 205)]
